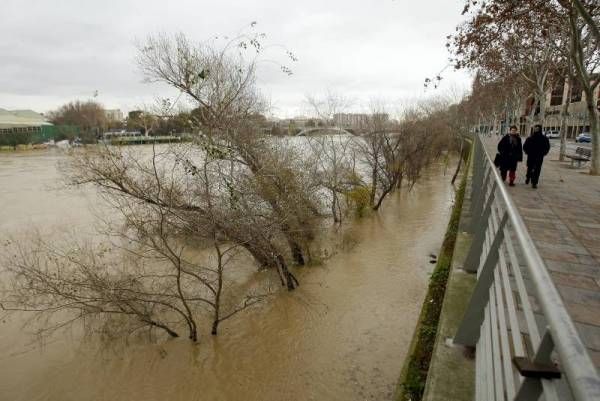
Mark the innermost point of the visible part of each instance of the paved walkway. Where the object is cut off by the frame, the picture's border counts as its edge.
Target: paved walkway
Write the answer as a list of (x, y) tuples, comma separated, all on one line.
[(563, 218)]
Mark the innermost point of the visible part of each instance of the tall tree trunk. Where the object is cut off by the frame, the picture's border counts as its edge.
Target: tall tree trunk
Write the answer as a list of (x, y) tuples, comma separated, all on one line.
[(588, 18), (595, 134), (579, 62), (529, 119), (542, 114), (504, 127), (564, 126)]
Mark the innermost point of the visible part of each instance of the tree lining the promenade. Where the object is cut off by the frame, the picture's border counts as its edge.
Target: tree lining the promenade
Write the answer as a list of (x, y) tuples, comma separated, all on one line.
[(534, 46)]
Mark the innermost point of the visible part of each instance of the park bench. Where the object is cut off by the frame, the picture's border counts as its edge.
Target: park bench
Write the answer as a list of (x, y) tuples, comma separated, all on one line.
[(581, 155)]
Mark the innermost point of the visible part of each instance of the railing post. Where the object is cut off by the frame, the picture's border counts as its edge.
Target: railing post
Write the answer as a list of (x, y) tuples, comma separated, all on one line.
[(477, 171), (480, 223), (482, 174), (469, 330), (478, 199)]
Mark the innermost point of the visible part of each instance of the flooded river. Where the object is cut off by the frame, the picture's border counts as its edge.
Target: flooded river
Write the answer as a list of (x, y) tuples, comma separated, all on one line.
[(342, 335)]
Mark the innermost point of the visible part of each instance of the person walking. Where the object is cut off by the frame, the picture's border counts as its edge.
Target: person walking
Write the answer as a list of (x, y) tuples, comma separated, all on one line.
[(510, 153), (536, 146)]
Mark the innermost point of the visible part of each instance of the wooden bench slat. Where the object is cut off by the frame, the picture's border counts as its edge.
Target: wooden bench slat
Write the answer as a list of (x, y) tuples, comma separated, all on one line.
[(582, 155)]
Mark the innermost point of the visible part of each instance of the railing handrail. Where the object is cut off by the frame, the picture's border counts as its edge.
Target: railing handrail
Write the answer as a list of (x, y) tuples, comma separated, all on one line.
[(575, 360)]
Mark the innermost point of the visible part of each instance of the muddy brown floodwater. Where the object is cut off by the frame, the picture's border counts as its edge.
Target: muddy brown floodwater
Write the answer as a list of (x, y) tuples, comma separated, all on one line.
[(342, 335)]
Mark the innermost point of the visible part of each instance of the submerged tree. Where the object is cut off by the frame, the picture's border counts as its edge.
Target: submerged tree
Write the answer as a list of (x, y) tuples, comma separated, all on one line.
[(333, 167), (392, 154), (229, 191), (180, 237), (222, 83)]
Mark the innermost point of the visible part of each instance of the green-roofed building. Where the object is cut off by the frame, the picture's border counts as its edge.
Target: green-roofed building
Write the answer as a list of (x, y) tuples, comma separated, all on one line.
[(27, 126), (22, 120)]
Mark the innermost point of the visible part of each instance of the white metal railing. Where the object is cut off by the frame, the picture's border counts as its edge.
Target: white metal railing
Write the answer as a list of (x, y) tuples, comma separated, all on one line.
[(526, 343)]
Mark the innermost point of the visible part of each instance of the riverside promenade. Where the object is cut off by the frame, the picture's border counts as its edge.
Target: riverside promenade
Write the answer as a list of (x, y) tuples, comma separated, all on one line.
[(563, 218)]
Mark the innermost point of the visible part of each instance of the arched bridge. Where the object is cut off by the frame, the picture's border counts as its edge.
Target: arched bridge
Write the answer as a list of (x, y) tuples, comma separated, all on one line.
[(313, 131)]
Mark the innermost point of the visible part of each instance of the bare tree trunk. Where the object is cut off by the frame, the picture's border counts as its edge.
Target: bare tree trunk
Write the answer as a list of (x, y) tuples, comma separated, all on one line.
[(263, 259), (215, 326), (382, 196), (218, 290), (460, 157), (162, 326), (529, 119), (336, 209), (296, 250), (578, 56), (290, 280), (595, 134), (587, 17), (542, 114), (193, 335), (564, 126), (373, 186)]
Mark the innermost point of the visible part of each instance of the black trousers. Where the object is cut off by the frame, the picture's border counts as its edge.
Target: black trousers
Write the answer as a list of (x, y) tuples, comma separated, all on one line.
[(534, 168)]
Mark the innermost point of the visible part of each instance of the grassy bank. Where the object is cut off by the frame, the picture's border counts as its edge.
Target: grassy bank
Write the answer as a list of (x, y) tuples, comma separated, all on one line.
[(414, 373)]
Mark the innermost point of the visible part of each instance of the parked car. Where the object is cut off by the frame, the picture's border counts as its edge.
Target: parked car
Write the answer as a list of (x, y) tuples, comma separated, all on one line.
[(552, 134), (584, 137)]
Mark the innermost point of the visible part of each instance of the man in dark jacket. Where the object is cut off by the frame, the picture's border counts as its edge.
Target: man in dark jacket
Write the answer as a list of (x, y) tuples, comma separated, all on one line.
[(511, 153), (536, 147)]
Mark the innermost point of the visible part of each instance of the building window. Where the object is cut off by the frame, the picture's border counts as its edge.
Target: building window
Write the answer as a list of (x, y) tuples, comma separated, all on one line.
[(576, 92), (556, 97)]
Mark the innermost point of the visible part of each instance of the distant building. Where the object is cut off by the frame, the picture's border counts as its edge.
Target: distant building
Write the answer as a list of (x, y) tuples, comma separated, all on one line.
[(21, 121), (359, 120), (577, 117), (350, 119), (381, 117), (114, 115)]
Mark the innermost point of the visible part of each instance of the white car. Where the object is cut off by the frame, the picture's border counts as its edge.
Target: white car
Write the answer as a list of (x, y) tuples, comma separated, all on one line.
[(552, 134)]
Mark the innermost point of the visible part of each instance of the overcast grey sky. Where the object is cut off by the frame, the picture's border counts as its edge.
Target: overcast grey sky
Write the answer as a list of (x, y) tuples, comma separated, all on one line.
[(54, 51)]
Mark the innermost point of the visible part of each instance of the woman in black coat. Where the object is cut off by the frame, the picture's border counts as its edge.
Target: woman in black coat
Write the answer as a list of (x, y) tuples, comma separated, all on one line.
[(511, 152)]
